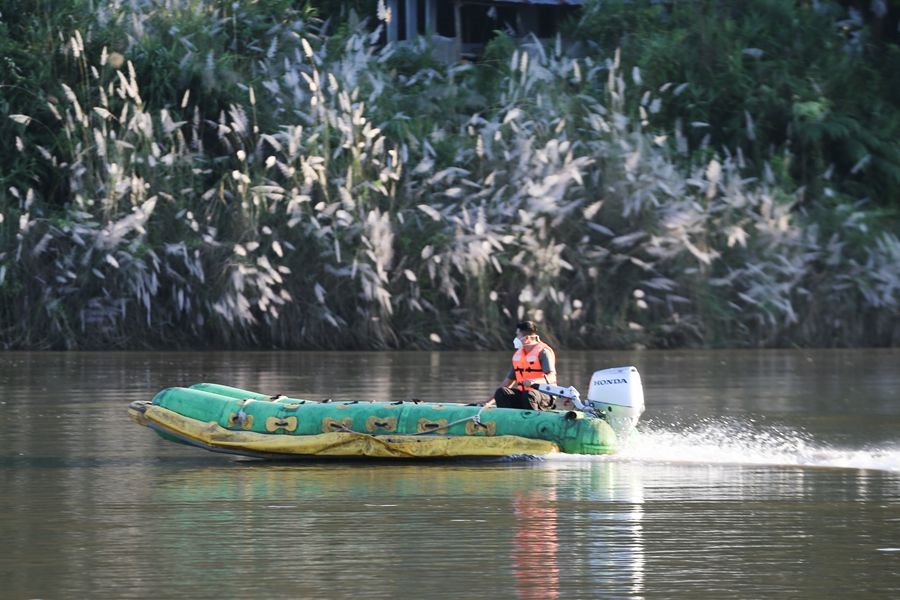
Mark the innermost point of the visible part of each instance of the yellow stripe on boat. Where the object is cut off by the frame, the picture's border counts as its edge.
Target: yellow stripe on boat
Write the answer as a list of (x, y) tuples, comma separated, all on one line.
[(341, 443)]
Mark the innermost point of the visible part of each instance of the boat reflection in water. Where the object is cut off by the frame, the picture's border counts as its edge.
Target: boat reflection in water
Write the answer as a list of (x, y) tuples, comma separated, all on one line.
[(535, 544), (582, 523), (559, 526)]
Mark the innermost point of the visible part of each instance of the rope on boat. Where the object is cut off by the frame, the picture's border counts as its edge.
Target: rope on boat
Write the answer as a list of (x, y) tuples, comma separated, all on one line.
[(375, 438), (476, 418)]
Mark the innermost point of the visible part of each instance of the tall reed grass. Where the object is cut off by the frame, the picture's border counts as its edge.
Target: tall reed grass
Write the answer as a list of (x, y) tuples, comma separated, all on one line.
[(356, 195)]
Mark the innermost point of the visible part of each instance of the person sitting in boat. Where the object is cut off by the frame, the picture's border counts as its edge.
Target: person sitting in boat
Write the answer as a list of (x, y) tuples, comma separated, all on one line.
[(533, 362)]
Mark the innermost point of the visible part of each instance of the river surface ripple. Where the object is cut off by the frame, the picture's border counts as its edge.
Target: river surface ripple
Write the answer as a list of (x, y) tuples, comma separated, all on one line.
[(756, 474)]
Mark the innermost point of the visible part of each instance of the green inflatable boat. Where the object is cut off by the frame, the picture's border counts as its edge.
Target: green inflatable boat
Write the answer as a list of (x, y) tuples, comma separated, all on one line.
[(235, 421)]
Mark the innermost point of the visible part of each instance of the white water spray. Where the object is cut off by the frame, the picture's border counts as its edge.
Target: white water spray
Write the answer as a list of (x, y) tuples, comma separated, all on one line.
[(748, 442)]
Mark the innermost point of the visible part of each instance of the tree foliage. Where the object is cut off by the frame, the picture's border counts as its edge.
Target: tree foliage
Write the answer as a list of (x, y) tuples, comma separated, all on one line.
[(811, 83), (232, 174)]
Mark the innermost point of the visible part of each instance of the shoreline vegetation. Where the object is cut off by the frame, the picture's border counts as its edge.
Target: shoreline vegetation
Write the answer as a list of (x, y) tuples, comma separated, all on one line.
[(207, 174)]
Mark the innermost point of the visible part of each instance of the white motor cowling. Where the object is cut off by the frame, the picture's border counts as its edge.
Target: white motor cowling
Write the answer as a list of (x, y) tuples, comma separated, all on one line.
[(619, 394)]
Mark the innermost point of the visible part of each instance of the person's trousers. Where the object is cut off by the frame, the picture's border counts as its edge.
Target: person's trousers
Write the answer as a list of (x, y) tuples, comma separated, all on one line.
[(528, 400)]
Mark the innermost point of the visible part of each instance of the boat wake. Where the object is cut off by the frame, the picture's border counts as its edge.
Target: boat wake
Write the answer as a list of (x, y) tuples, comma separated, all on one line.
[(748, 442)]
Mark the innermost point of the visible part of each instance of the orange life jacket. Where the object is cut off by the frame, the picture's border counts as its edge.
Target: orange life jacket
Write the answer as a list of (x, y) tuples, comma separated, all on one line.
[(528, 365)]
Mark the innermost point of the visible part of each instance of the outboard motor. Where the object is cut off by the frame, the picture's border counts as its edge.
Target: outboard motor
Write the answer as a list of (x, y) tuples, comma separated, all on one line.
[(619, 395), (614, 394)]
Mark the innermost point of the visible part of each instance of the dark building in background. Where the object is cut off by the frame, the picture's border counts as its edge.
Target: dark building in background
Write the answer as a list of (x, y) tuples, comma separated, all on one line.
[(461, 28)]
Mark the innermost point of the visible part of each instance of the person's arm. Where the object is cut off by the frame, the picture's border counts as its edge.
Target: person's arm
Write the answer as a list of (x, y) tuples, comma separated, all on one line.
[(548, 365), (510, 379)]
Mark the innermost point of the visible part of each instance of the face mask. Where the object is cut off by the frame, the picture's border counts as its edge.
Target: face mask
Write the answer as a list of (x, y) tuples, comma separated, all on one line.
[(517, 343)]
